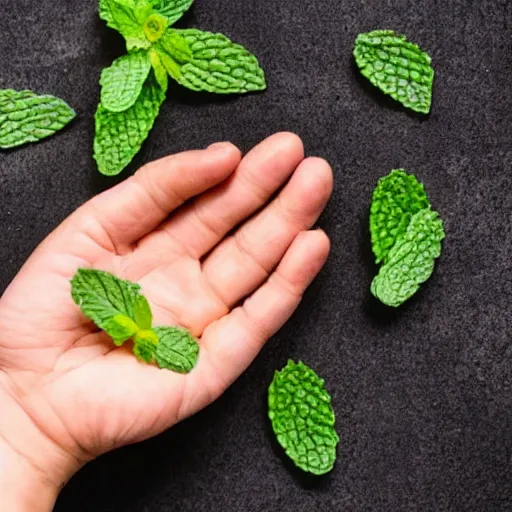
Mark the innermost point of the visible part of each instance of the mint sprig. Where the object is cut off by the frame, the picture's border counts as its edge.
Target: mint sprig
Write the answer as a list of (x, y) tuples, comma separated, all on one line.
[(411, 260), (201, 61), (406, 237), (117, 307)]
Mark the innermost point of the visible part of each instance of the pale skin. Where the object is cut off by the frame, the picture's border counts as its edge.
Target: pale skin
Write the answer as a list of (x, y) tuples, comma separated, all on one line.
[(214, 249)]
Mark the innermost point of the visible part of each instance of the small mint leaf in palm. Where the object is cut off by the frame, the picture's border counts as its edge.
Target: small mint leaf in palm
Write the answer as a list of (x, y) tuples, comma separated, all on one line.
[(177, 349), (115, 306), (145, 345)]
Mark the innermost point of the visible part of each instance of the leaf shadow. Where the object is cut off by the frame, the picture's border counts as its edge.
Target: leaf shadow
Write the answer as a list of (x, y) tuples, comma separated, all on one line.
[(112, 44), (188, 19), (184, 96), (383, 99)]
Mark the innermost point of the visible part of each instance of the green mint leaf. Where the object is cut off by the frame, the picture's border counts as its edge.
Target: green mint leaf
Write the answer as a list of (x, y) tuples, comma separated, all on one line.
[(159, 69), (128, 18), (120, 328), (218, 65), (410, 261), (121, 83), (302, 418), (396, 199), (173, 10), (177, 349), (119, 136), (114, 305), (26, 117), (397, 67), (144, 345)]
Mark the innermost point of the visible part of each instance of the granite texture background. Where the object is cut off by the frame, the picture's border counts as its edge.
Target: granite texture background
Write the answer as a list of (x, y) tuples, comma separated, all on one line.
[(423, 395)]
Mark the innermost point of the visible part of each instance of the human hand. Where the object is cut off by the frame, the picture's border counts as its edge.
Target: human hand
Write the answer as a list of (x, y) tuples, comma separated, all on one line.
[(67, 394)]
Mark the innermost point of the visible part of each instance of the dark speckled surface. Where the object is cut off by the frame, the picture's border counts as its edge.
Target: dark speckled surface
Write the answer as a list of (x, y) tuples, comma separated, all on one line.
[(423, 396)]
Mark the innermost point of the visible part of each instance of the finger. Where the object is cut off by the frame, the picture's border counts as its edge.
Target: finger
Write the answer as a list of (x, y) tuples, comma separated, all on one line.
[(242, 262), (230, 345), (135, 207), (202, 224)]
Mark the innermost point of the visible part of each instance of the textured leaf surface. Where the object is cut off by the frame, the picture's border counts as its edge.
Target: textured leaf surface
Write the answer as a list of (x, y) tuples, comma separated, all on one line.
[(114, 305), (397, 67), (396, 199), (26, 117), (177, 349), (127, 17), (175, 45), (173, 10), (411, 260), (119, 136), (219, 66), (121, 83), (302, 418), (144, 345)]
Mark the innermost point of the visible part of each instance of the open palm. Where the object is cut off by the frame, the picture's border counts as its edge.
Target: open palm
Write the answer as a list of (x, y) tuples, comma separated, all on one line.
[(214, 249)]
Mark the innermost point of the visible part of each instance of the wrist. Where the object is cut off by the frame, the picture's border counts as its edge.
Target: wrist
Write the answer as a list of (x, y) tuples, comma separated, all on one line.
[(23, 488), (33, 468)]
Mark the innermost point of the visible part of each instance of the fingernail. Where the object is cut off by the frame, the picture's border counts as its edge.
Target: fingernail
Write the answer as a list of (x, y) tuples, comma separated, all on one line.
[(219, 146)]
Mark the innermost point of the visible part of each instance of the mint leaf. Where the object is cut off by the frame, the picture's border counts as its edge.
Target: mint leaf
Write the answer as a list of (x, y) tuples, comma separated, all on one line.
[(397, 67), (123, 81), (114, 305), (128, 18), (159, 69), (144, 345), (410, 261), (396, 199), (218, 65), (26, 117), (302, 418), (177, 349), (172, 9), (120, 328), (119, 136)]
